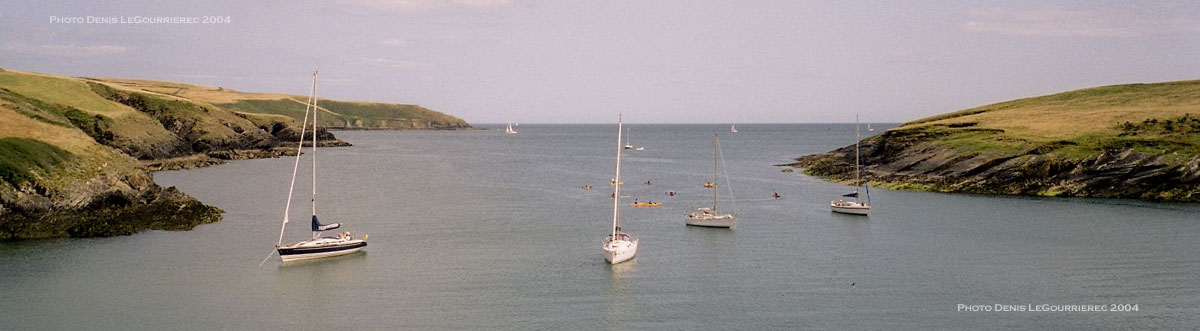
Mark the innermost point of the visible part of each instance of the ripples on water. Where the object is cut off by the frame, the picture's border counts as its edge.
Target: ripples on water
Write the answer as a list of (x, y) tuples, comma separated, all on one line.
[(481, 230)]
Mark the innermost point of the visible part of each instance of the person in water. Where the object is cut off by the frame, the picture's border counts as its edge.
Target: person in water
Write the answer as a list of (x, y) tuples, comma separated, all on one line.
[(777, 195)]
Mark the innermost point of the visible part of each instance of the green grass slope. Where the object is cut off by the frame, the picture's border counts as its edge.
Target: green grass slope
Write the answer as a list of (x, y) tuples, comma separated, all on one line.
[(57, 181), (75, 152), (334, 113), (1119, 141), (1154, 119)]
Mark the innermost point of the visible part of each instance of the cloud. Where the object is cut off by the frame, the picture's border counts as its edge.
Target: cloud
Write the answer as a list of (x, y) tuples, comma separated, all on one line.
[(393, 42), (403, 65), (65, 50), (483, 3), (426, 5), (1059, 22)]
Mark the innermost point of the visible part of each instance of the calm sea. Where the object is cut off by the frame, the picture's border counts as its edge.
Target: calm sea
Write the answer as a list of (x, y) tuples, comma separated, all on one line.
[(482, 230)]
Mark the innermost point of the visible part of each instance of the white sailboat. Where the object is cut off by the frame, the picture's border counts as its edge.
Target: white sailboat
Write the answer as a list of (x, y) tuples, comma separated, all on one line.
[(618, 246), (733, 128), (629, 145), (510, 129), (316, 246), (858, 206), (709, 217)]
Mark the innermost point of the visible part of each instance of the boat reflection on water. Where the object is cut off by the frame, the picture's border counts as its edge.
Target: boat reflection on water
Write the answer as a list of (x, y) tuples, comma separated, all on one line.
[(341, 262)]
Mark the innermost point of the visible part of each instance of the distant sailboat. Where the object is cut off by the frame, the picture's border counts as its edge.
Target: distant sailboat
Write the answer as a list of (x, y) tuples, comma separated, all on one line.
[(708, 216), (869, 127), (858, 206), (317, 246), (733, 128), (618, 246), (510, 130), (629, 145)]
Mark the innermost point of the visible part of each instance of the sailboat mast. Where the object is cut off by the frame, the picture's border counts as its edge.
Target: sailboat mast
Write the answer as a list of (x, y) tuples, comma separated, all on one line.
[(715, 170), (296, 167), (314, 145), (617, 184), (857, 162)]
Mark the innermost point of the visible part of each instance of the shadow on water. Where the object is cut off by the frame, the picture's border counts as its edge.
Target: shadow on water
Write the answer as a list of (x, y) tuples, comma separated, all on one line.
[(850, 218), (621, 300), (618, 272)]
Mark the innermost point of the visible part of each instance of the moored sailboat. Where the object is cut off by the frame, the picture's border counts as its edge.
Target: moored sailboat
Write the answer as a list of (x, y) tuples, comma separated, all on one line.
[(316, 246), (629, 145), (618, 246), (857, 206), (708, 217)]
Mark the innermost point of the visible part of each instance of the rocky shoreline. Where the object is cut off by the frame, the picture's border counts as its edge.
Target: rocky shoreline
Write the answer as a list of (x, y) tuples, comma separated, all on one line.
[(201, 160), (906, 159), (156, 208), (119, 205)]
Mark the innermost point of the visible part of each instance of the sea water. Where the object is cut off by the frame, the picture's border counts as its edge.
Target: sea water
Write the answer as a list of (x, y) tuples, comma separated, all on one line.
[(486, 230)]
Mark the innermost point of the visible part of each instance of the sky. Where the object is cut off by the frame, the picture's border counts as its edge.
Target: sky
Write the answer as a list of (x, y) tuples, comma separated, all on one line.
[(493, 61)]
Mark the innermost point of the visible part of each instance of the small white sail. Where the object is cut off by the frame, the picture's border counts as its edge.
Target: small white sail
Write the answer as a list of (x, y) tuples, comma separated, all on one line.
[(627, 144)]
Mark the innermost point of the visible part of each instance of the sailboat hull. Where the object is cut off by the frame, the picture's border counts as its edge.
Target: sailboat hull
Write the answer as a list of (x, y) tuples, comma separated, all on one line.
[(721, 221), (618, 251), (850, 208), (310, 250)]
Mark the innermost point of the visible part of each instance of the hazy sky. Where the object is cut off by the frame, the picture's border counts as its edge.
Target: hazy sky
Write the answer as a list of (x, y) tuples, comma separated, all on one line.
[(655, 61)]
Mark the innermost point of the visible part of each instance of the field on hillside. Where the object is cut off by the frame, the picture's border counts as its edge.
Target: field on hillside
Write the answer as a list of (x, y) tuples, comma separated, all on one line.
[(1158, 118), (335, 113)]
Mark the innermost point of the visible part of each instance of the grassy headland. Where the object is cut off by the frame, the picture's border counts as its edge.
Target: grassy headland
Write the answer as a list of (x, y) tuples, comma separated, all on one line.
[(344, 115), (76, 153), (1120, 141)]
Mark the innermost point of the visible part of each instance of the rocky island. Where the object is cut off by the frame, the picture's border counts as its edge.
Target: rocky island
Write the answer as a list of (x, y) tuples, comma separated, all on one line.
[(1123, 141), (76, 154)]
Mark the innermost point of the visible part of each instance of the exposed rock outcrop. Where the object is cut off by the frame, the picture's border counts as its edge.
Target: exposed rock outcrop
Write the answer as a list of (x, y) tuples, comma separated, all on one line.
[(910, 159)]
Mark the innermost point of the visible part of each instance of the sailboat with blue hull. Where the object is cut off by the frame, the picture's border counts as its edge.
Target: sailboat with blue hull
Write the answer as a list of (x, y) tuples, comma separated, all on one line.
[(317, 246)]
